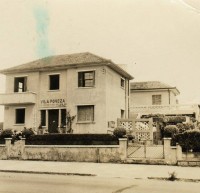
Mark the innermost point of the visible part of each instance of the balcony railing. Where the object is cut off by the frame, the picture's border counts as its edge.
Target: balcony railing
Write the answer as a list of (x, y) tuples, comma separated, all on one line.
[(166, 109), (17, 98)]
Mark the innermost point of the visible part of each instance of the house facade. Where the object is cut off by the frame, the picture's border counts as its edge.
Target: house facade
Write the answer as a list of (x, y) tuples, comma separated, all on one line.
[(40, 93), (154, 97)]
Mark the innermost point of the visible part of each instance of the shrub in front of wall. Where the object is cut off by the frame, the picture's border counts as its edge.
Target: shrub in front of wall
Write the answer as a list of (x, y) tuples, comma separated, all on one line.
[(170, 131), (72, 139), (27, 132), (6, 133), (182, 127), (189, 140), (119, 132)]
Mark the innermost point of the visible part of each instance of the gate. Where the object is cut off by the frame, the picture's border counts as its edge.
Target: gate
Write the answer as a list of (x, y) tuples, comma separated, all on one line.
[(145, 151)]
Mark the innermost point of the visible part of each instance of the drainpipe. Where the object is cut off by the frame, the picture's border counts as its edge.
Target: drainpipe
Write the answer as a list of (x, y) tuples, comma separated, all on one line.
[(169, 97), (127, 99)]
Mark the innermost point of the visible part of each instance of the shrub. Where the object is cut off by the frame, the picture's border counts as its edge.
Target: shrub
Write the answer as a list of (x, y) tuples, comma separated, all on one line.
[(190, 139), (170, 131), (182, 127), (6, 133), (172, 176), (72, 139), (119, 132), (27, 132)]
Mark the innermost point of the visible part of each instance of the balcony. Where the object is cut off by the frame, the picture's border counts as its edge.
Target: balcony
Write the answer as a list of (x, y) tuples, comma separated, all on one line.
[(17, 98), (166, 109)]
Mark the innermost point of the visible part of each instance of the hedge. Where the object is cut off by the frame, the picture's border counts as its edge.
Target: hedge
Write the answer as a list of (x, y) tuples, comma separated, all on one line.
[(2, 141), (189, 140), (72, 139)]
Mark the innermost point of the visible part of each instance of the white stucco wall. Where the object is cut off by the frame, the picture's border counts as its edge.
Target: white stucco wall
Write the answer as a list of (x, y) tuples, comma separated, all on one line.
[(115, 96), (145, 97), (87, 96), (107, 96)]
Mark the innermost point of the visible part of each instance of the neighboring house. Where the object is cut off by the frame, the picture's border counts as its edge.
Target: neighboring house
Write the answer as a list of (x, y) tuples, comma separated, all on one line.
[(1, 126), (154, 97), (92, 88)]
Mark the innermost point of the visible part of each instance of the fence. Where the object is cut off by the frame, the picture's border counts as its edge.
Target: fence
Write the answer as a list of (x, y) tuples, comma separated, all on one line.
[(142, 129), (145, 151)]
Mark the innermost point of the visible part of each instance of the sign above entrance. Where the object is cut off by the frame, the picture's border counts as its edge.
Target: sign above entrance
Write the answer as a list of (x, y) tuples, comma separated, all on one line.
[(52, 103)]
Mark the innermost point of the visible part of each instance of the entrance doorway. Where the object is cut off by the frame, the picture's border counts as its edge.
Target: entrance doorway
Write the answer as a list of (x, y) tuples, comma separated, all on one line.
[(53, 121)]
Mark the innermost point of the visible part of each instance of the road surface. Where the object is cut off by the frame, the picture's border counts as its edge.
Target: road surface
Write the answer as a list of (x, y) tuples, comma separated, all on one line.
[(39, 183)]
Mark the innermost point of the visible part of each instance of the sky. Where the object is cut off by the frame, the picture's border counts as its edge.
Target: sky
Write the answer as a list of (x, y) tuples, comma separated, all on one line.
[(158, 40)]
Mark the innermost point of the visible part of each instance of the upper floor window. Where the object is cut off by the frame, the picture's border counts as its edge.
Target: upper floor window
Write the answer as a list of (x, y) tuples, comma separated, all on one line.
[(54, 82), (20, 84), (86, 79), (122, 82), (156, 100), (20, 116)]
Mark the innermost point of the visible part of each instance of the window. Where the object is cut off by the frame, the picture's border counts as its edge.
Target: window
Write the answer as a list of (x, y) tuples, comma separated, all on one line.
[(63, 117), (54, 81), (122, 82), (20, 84), (156, 99), (20, 116), (86, 113), (122, 114), (43, 117), (86, 79)]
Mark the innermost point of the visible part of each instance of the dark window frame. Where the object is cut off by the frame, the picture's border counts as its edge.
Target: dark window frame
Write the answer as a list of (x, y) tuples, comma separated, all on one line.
[(17, 86), (52, 84), (86, 78), (20, 115), (43, 118), (122, 82), (81, 113), (157, 99)]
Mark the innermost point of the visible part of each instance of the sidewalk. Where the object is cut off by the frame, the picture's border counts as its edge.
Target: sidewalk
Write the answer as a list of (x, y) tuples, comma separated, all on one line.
[(100, 169)]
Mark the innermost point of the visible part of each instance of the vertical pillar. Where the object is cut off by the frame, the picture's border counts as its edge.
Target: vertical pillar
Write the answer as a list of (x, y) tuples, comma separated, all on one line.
[(47, 120), (59, 117), (123, 148), (22, 147), (178, 152), (167, 148), (8, 144)]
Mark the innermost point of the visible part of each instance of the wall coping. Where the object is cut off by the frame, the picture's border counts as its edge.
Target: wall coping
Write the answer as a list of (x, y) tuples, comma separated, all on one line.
[(2, 145), (167, 138), (122, 139), (72, 146)]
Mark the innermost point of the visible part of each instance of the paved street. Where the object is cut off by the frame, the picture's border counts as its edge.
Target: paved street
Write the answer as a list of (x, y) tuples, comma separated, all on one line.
[(101, 169), (32, 183)]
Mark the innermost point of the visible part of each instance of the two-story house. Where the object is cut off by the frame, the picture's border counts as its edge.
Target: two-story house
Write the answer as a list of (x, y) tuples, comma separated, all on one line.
[(39, 93), (154, 97)]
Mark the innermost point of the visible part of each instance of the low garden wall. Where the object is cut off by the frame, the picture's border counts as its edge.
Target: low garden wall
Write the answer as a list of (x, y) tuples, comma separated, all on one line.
[(80, 153), (3, 152)]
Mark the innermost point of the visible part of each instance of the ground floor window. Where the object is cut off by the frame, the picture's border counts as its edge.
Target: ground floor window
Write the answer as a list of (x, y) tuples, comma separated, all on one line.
[(85, 113), (20, 116), (43, 117)]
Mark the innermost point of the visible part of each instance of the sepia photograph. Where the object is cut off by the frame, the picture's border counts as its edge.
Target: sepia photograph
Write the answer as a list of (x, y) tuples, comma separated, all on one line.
[(99, 96)]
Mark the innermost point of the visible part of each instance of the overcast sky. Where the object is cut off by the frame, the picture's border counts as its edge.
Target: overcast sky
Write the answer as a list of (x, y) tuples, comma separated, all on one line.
[(157, 39)]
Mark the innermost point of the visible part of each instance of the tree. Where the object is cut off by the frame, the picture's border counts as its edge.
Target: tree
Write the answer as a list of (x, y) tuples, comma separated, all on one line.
[(69, 121)]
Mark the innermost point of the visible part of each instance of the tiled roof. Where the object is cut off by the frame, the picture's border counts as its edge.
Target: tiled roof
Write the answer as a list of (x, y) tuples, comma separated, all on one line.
[(65, 61), (150, 85)]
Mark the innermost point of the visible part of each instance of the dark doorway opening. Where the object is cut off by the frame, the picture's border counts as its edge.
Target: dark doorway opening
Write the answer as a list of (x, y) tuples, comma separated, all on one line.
[(53, 121)]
